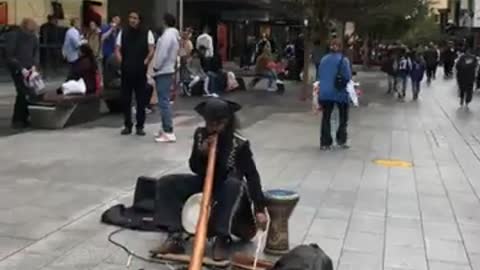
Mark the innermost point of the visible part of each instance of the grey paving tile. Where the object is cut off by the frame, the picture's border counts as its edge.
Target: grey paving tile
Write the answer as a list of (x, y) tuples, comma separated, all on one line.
[(363, 242), (404, 237), (475, 260), (354, 260), (472, 242), (402, 257), (447, 266), (441, 231), (26, 261), (332, 228), (367, 224), (447, 251), (9, 245), (436, 208), (58, 243)]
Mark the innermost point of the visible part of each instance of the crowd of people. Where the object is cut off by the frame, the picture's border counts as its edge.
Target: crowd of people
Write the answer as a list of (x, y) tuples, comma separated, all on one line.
[(403, 64)]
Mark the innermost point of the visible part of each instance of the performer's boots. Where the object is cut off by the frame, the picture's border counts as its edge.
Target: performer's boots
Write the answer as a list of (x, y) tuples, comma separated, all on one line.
[(175, 244), (221, 248)]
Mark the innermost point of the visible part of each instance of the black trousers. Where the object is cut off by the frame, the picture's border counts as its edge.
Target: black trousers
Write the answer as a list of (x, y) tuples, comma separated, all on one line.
[(134, 83), (431, 70), (20, 111), (326, 134), (231, 210), (448, 66), (466, 92)]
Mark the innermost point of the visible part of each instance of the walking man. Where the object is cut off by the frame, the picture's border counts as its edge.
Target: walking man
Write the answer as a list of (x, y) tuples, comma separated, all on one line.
[(73, 41), (22, 53), (333, 76), (466, 70), (431, 61), (448, 57), (164, 68), (134, 50)]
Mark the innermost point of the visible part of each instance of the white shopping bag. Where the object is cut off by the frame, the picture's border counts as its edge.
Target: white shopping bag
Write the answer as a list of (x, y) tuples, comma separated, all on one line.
[(74, 87), (352, 93), (315, 93), (34, 81)]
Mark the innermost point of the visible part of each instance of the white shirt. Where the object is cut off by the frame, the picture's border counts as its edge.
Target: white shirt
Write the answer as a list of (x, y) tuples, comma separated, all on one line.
[(205, 40), (71, 45), (151, 39)]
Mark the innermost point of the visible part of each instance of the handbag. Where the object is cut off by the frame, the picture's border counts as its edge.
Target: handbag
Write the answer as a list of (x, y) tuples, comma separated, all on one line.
[(340, 81)]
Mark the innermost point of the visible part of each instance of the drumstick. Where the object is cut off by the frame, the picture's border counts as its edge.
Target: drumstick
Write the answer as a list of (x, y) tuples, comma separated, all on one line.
[(201, 233)]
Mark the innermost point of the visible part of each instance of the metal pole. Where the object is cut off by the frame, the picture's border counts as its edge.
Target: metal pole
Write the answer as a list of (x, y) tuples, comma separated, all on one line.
[(181, 15)]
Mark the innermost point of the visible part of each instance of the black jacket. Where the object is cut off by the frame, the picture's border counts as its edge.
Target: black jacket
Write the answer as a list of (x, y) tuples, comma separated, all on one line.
[(237, 162)]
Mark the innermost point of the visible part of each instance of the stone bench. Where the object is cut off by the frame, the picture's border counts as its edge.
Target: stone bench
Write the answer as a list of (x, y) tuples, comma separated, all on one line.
[(57, 111)]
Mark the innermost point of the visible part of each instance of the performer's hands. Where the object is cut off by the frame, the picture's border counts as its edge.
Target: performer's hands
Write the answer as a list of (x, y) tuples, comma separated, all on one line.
[(205, 145), (262, 221)]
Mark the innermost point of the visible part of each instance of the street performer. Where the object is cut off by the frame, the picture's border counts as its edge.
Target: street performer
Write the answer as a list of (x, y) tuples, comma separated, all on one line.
[(237, 186)]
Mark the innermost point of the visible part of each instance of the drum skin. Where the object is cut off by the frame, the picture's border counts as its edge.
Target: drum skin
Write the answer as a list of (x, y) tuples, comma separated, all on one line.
[(280, 205)]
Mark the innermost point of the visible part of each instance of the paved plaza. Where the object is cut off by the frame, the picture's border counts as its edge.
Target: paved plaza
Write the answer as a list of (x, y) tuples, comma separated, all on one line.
[(54, 185)]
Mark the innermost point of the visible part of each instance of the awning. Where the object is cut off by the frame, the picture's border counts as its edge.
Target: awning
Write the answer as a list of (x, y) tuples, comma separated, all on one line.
[(229, 4)]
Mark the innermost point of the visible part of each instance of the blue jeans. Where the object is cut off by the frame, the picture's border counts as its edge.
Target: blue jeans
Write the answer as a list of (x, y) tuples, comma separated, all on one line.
[(163, 84), (272, 77)]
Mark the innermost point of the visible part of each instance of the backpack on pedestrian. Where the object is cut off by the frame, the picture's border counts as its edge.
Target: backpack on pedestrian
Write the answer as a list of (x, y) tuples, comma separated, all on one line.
[(305, 257)]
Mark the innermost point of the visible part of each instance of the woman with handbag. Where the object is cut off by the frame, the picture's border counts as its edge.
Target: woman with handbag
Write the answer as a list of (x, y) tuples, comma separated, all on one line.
[(333, 75)]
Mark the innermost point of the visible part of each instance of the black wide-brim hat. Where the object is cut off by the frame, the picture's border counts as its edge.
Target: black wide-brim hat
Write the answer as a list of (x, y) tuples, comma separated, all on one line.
[(215, 109)]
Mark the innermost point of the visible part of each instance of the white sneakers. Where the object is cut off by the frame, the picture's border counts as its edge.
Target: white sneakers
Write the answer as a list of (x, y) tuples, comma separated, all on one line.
[(165, 138)]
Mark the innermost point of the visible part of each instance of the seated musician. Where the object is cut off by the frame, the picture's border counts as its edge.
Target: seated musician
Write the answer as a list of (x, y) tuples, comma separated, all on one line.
[(237, 185)]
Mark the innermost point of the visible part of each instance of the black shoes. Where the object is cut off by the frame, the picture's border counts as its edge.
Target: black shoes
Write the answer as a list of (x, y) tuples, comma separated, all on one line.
[(141, 132), (128, 131)]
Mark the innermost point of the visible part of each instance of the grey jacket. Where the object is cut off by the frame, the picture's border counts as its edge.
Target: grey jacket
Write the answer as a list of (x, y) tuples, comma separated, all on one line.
[(22, 50), (166, 52)]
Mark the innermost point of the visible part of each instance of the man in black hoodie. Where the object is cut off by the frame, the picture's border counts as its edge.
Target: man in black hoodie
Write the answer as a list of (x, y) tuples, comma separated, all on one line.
[(431, 60), (22, 53), (448, 57)]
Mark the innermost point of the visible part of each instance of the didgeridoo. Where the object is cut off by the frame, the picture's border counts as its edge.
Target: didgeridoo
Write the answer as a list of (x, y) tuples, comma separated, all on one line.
[(202, 224)]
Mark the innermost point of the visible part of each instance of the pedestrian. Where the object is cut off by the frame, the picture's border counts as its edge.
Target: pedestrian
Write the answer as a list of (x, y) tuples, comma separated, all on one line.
[(466, 70), (205, 40), (73, 41), (299, 56), (164, 67), (265, 69), (109, 38), (390, 66), (263, 43), (238, 203), (417, 73), (85, 68), (333, 76), (94, 40), (431, 61), (134, 50), (403, 71), (50, 39), (22, 54), (448, 57)]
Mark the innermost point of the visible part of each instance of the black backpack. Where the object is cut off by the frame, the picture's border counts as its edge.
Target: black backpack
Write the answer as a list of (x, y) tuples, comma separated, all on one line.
[(305, 257)]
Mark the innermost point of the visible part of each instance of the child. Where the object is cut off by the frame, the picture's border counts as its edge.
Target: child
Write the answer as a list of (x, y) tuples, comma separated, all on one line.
[(417, 72)]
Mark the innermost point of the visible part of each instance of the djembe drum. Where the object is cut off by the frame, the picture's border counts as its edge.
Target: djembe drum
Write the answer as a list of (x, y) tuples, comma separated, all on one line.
[(280, 205)]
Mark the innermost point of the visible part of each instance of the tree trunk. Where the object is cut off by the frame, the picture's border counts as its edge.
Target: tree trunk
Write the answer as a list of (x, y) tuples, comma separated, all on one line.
[(366, 51), (306, 65)]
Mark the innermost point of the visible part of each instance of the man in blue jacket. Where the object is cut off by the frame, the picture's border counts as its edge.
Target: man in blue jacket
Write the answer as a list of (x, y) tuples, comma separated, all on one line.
[(333, 66)]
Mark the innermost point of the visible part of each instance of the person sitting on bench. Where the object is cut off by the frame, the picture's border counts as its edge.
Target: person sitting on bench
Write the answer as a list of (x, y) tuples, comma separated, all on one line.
[(232, 197), (85, 68), (265, 69)]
